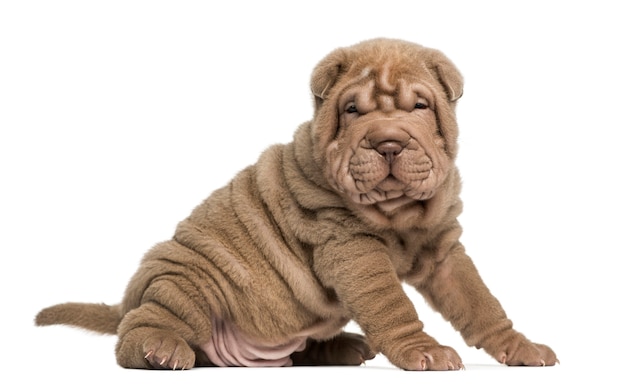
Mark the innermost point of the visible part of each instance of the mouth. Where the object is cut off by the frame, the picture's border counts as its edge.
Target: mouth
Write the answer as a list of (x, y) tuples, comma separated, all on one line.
[(390, 183), (393, 189), (392, 193)]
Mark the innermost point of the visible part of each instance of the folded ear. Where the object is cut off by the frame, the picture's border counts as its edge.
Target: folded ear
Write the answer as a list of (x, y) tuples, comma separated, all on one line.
[(447, 74), (326, 74)]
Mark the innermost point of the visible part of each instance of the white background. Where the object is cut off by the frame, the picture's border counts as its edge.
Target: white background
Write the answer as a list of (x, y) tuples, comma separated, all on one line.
[(118, 117)]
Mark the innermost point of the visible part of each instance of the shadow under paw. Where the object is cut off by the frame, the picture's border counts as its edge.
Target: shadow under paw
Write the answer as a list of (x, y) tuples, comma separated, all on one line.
[(344, 349)]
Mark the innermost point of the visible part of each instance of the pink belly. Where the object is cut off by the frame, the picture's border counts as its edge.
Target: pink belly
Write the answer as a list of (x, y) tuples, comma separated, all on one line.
[(230, 348)]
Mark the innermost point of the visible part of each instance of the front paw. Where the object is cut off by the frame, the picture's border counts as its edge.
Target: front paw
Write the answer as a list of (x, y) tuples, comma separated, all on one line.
[(527, 353), (435, 358)]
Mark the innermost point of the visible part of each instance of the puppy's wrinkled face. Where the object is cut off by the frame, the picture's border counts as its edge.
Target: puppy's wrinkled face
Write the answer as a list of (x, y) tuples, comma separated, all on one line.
[(388, 149)]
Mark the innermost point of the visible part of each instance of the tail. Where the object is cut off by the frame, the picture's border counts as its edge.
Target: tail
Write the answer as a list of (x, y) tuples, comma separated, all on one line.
[(100, 318)]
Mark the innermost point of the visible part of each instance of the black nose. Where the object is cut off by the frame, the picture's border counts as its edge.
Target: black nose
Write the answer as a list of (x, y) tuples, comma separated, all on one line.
[(389, 149)]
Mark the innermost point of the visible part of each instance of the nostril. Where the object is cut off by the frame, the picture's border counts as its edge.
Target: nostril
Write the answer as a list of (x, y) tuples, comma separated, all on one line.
[(389, 149)]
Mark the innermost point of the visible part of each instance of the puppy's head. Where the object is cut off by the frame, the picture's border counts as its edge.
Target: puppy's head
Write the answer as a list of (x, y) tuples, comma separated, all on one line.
[(384, 128)]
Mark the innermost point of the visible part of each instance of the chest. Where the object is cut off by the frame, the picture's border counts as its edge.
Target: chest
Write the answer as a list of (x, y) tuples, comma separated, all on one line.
[(407, 251)]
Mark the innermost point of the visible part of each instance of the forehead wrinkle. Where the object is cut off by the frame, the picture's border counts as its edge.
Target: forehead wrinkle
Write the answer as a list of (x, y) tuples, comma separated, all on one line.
[(356, 82), (360, 91), (383, 82)]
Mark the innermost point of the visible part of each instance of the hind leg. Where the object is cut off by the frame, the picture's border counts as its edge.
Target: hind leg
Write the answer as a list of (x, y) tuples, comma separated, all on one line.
[(166, 311), (344, 349), (151, 336), (164, 330)]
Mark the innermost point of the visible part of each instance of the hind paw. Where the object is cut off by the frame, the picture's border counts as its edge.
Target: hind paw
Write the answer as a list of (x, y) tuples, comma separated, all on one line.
[(168, 352)]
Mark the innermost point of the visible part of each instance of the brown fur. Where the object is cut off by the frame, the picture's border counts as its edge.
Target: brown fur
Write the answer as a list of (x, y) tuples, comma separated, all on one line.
[(324, 230)]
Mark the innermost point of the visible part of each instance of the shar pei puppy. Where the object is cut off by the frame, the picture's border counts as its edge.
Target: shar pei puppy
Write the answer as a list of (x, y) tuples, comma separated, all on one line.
[(323, 230)]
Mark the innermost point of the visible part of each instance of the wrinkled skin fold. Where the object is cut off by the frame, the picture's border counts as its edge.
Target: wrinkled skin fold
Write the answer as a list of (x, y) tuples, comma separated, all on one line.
[(320, 231)]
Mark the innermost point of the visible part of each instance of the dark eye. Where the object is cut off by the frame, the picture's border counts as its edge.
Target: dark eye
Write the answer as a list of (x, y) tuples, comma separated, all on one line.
[(421, 106), (352, 109)]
